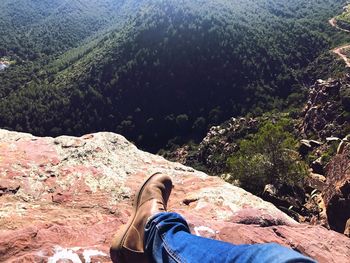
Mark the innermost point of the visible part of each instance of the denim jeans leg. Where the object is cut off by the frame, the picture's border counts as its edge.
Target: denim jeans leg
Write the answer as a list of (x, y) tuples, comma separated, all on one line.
[(168, 239)]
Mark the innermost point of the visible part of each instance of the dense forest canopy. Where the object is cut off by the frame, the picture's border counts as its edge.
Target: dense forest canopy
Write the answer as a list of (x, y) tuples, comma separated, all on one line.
[(35, 28), (156, 71)]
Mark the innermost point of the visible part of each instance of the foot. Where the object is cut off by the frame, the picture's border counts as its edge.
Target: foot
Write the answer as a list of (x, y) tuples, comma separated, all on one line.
[(152, 198)]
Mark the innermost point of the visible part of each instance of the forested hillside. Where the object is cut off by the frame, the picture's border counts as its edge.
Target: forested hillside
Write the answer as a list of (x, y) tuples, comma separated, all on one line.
[(33, 33), (157, 71), (34, 28), (343, 19)]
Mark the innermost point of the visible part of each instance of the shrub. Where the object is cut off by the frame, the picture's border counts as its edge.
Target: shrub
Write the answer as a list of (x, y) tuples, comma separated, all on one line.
[(269, 157), (330, 152)]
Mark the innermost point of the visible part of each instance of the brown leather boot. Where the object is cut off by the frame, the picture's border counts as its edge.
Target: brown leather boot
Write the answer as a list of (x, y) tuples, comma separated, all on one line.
[(152, 198)]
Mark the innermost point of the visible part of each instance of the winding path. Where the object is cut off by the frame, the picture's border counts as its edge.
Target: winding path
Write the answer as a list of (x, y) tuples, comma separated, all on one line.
[(333, 23), (339, 50)]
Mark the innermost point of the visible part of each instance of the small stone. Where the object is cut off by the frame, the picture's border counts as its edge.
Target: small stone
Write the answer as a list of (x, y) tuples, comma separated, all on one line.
[(347, 228), (332, 139)]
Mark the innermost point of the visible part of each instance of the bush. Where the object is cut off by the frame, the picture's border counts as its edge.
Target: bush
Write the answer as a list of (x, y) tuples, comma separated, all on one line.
[(268, 158), (330, 152)]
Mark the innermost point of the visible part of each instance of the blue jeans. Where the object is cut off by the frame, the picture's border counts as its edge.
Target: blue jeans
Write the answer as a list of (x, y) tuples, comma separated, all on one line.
[(168, 239)]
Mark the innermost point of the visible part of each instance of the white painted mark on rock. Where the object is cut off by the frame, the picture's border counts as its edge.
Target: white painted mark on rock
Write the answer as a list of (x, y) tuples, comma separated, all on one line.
[(63, 253), (72, 255), (198, 229)]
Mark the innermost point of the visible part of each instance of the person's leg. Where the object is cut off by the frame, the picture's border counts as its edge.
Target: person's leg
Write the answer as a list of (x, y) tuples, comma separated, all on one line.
[(168, 239)]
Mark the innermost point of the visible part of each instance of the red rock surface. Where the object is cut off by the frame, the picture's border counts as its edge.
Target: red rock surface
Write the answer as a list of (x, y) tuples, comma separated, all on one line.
[(61, 200)]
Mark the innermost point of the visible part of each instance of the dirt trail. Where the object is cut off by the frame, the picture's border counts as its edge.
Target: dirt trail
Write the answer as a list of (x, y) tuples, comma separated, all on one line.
[(339, 50), (333, 23)]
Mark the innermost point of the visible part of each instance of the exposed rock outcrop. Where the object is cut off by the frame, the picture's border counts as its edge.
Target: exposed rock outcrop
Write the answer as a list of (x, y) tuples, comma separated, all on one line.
[(337, 190), (323, 114), (63, 198), (219, 144), (323, 126), (308, 145)]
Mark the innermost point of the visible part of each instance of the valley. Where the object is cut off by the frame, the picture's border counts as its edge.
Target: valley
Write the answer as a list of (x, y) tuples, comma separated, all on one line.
[(160, 73)]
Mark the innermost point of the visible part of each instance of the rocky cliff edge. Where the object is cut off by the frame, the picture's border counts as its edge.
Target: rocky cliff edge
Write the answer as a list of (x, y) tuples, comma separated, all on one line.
[(61, 200)]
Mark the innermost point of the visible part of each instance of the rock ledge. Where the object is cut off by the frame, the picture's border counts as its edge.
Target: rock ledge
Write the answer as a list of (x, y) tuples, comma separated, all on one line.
[(63, 198)]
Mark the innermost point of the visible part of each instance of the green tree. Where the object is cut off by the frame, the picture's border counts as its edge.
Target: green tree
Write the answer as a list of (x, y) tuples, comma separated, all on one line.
[(268, 158)]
